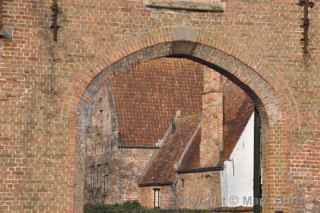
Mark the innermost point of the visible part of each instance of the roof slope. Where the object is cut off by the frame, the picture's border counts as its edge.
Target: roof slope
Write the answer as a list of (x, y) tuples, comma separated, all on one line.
[(237, 109), (162, 169), (191, 159), (148, 95)]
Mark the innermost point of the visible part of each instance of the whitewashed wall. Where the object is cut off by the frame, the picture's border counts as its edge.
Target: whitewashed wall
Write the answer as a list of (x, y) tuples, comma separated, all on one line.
[(237, 177)]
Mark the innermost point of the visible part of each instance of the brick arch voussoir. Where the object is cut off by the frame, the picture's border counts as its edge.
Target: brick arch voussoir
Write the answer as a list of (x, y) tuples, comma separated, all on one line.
[(248, 77), (204, 50)]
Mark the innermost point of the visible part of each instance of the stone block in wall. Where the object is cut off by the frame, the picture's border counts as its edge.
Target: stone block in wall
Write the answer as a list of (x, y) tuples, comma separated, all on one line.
[(188, 5)]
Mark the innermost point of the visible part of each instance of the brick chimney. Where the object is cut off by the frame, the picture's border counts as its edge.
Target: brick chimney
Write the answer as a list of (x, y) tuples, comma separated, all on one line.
[(212, 119)]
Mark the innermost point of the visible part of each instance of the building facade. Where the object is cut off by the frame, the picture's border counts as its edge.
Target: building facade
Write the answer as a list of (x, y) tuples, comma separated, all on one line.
[(162, 142), (56, 55)]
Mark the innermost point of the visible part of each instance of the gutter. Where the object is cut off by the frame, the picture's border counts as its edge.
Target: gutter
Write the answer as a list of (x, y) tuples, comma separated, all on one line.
[(201, 170)]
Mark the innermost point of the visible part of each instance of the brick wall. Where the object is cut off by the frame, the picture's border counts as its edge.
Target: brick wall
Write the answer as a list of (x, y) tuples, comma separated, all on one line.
[(212, 119), (112, 173), (147, 197), (42, 82), (1, 14), (167, 197), (199, 191), (99, 145), (127, 168), (123, 169)]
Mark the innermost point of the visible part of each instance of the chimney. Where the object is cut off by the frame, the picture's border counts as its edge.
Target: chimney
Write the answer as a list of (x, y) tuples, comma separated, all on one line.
[(212, 119)]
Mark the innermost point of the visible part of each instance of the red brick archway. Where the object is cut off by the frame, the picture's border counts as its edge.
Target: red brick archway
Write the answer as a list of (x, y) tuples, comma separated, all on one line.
[(194, 45)]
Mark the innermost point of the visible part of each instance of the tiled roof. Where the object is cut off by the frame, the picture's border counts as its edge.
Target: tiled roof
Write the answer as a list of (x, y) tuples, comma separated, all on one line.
[(163, 167), (190, 160), (149, 94), (237, 110), (235, 128), (191, 157)]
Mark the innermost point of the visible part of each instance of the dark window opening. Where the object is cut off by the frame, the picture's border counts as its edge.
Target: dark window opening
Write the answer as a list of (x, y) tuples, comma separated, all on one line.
[(105, 183), (156, 192)]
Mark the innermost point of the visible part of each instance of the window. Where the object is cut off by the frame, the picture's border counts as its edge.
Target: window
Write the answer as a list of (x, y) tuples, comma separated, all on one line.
[(98, 177), (156, 192), (105, 183), (91, 175), (89, 183)]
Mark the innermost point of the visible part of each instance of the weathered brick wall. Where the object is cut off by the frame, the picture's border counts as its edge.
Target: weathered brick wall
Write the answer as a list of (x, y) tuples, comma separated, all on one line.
[(198, 191), (112, 174), (147, 197), (212, 119), (33, 138), (99, 147), (123, 169), (148, 95), (127, 167), (304, 157), (42, 82), (167, 197), (1, 13)]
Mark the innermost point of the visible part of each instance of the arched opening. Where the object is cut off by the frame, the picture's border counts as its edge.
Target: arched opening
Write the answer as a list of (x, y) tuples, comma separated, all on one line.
[(246, 78)]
